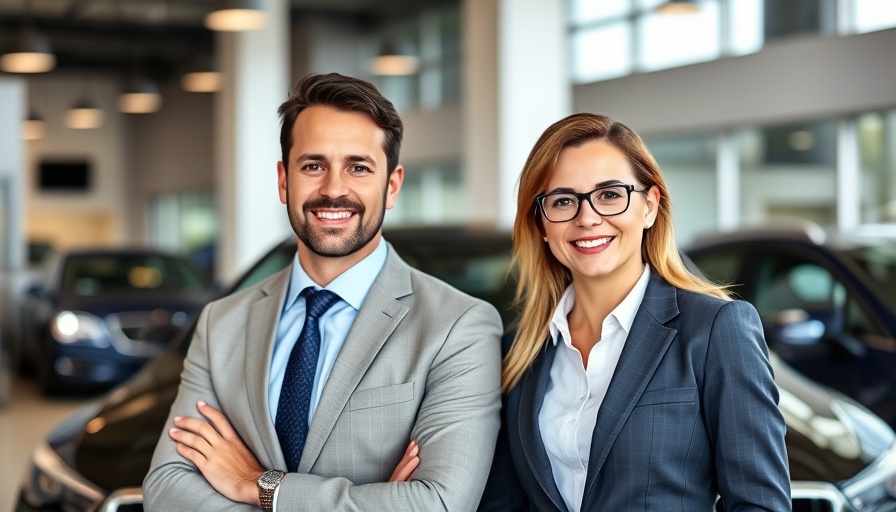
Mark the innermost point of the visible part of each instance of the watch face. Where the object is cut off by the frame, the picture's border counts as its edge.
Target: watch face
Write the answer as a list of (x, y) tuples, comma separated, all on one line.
[(270, 479)]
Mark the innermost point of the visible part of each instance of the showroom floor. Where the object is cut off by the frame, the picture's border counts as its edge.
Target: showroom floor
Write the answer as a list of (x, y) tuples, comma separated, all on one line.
[(25, 419)]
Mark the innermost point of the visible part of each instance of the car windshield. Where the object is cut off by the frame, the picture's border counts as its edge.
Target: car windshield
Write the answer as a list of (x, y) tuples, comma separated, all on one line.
[(879, 261), (90, 275)]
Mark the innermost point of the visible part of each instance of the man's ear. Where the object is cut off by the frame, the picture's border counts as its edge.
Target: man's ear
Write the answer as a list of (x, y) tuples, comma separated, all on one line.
[(394, 186), (281, 181)]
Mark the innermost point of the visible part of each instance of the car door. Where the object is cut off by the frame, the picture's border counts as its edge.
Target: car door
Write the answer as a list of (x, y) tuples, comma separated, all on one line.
[(815, 313), (816, 318)]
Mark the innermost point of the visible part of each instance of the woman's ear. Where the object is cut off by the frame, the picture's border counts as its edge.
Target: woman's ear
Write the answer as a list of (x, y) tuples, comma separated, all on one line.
[(653, 205)]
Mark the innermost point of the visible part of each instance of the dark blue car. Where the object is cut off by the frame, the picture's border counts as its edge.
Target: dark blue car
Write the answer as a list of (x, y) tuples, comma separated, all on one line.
[(827, 300), (100, 315)]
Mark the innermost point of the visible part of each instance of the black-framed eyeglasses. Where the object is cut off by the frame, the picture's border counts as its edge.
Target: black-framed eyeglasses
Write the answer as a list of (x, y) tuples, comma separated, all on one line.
[(605, 201)]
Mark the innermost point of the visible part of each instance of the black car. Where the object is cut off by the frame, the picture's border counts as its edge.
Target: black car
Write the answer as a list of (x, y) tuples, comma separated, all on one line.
[(827, 301), (100, 315), (842, 457)]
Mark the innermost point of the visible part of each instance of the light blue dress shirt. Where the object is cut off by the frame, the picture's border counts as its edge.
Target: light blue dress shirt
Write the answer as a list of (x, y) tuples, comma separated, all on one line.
[(352, 287)]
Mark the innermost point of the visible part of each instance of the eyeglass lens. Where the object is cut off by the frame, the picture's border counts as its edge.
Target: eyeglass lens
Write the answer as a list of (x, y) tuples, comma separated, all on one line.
[(607, 201)]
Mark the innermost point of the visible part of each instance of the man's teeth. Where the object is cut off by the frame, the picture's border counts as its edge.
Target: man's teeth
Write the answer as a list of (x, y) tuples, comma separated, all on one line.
[(333, 215), (587, 244)]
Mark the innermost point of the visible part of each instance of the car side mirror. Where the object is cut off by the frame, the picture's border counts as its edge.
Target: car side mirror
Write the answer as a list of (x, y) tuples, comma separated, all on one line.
[(796, 327)]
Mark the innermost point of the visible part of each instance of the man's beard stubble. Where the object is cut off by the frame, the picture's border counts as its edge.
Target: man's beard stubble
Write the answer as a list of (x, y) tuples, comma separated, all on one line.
[(317, 240)]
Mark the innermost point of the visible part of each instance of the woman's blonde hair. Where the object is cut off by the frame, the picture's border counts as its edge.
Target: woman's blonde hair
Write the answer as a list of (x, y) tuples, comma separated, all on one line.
[(542, 279)]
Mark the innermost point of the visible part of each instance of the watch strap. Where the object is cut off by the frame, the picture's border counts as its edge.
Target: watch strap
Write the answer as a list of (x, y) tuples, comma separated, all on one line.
[(267, 485)]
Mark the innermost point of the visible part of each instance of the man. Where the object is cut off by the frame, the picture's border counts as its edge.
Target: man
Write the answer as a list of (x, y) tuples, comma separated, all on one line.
[(392, 370)]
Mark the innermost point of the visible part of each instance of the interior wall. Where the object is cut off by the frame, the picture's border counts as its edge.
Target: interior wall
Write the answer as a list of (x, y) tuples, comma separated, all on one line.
[(811, 76), (170, 150), (55, 216)]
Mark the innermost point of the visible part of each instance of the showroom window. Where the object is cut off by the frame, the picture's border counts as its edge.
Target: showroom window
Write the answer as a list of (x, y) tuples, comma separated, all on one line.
[(435, 38), (877, 161), (614, 38), (430, 194), (871, 15), (789, 171), (688, 164), (186, 222)]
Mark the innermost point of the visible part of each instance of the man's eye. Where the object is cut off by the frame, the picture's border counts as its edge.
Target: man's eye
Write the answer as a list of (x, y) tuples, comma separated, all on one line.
[(311, 167), (359, 169)]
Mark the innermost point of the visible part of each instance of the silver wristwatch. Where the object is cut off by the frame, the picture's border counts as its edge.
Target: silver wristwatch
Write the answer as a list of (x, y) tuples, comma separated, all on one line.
[(267, 483)]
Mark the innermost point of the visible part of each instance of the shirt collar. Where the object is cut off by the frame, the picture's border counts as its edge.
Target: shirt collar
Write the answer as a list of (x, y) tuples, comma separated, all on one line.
[(624, 313), (352, 285)]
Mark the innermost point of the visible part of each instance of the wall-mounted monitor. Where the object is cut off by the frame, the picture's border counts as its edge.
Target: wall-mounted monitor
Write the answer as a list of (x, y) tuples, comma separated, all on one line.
[(64, 176)]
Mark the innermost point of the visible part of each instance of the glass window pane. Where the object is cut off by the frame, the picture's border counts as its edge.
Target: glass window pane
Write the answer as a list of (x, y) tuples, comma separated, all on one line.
[(673, 40), (877, 158), (746, 26), (873, 15), (586, 11), (688, 163), (601, 53), (789, 171), (430, 194)]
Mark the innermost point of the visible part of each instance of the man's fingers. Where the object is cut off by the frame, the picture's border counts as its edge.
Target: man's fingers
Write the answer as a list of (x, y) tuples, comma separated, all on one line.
[(407, 464), (191, 440), (217, 419)]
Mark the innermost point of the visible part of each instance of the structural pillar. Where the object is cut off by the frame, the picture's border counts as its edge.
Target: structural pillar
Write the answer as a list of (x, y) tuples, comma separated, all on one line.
[(255, 65), (516, 84)]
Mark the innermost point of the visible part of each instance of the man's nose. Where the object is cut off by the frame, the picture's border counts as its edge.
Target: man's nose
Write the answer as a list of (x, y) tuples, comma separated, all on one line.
[(334, 184)]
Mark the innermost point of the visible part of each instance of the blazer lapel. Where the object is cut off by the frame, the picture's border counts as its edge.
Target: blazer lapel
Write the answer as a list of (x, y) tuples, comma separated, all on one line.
[(531, 398), (377, 319), (644, 349), (264, 315)]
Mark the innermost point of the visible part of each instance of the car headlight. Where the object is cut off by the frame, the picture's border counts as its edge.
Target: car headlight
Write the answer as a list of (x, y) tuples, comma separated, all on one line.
[(50, 481), (76, 326)]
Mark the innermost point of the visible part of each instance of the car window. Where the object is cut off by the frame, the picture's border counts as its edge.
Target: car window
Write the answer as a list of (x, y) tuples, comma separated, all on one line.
[(273, 262), (791, 291), (719, 265), (90, 275), (879, 262)]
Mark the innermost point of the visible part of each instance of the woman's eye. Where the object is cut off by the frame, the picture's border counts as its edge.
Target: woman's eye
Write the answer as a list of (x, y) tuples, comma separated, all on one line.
[(562, 202), (608, 195)]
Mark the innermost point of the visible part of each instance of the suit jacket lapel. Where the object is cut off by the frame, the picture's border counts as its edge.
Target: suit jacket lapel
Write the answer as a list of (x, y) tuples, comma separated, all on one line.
[(531, 398), (377, 319), (644, 349), (264, 315)]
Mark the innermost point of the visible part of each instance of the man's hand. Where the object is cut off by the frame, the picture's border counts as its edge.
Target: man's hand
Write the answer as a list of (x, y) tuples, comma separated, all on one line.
[(407, 464), (219, 453)]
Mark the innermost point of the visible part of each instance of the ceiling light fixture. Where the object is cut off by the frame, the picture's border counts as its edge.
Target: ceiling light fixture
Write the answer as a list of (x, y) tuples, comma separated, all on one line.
[(203, 76), (394, 59), (34, 127), (140, 97), (30, 53), (84, 115), (679, 7), (236, 15)]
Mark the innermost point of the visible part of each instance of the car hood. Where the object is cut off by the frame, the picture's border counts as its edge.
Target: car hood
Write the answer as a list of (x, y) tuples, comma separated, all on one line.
[(829, 436), (116, 444), (119, 302)]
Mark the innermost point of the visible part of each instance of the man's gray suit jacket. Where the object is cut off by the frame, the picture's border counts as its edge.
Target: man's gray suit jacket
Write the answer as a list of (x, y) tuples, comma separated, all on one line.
[(421, 361)]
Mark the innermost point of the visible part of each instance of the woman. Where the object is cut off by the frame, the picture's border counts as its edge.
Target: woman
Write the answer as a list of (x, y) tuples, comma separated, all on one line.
[(631, 383)]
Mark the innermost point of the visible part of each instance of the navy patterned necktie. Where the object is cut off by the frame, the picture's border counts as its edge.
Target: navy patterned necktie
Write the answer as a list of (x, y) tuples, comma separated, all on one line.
[(295, 393)]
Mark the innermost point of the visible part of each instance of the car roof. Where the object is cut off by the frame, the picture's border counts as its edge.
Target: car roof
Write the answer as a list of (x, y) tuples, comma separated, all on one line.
[(800, 230)]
